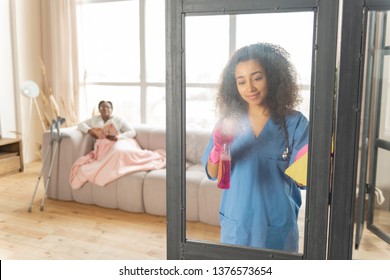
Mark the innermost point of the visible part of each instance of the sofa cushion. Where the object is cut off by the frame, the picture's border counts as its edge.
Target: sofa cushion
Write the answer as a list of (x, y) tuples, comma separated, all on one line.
[(209, 202), (193, 179), (84, 194), (196, 167), (155, 193), (196, 142), (130, 192), (105, 196), (72, 146), (157, 139), (142, 134)]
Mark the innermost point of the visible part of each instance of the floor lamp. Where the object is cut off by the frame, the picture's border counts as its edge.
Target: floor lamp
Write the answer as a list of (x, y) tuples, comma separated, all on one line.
[(31, 90)]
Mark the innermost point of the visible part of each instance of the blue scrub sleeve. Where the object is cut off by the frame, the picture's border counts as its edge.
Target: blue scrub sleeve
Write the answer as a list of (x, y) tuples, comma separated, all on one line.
[(205, 157), (300, 138)]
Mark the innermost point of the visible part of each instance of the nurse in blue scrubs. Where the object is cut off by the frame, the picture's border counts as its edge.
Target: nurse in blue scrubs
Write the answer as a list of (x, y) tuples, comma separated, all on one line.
[(255, 101)]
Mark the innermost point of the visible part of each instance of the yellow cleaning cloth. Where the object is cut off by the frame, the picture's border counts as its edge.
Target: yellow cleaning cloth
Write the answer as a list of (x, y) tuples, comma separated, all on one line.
[(298, 170)]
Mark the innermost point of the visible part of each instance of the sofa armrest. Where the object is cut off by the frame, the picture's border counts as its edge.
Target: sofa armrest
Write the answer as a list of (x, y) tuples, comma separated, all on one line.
[(72, 146)]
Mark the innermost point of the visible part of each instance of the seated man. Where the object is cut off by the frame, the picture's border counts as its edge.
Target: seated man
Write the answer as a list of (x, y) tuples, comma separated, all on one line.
[(116, 152), (95, 125)]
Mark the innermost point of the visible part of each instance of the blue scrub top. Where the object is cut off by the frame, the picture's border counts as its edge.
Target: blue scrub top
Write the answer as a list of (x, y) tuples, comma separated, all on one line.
[(261, 207)]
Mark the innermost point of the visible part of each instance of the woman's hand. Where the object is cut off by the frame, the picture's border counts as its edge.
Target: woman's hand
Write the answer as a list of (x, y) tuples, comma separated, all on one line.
[(220, 137), (112, 137), (95, 133)]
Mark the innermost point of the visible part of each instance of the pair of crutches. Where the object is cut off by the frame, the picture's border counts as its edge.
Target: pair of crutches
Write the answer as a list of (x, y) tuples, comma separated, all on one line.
[(55, 140)]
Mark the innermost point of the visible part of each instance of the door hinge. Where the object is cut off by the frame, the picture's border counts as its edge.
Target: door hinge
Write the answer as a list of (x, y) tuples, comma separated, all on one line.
[(367, 188)]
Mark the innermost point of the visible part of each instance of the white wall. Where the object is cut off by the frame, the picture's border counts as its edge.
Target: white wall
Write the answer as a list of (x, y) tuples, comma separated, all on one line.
[(20, 52), (28, 45), (7, 95)]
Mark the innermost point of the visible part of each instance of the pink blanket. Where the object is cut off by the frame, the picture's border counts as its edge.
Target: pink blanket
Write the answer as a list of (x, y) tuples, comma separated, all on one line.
[(112, 159)]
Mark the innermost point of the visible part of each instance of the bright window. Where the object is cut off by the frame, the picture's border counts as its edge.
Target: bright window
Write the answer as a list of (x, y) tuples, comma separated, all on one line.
[(211, 39), (122, 56)]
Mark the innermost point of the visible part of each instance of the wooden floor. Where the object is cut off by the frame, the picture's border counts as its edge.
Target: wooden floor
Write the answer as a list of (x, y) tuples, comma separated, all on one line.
[(73, 231)]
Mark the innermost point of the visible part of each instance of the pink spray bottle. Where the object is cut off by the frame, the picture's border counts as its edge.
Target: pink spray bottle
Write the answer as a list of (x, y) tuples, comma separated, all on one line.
[(224, 168)]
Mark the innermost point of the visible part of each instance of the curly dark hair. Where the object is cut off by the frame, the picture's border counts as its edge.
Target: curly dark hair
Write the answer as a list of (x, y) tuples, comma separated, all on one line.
[(281, 75)]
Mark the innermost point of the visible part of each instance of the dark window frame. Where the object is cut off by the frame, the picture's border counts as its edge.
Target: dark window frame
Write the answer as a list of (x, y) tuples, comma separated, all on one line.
[(323, 88)]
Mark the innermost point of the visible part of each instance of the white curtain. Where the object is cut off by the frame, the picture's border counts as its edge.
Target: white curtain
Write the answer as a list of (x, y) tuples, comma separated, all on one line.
[(60, 60)]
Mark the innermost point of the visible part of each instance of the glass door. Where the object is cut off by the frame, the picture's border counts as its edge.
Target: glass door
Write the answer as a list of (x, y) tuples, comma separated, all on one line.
[(187, 89), (204, 64), (374, 178)]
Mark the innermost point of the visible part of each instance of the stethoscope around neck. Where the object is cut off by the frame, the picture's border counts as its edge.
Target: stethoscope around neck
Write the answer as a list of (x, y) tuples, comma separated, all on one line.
[(286, 152)]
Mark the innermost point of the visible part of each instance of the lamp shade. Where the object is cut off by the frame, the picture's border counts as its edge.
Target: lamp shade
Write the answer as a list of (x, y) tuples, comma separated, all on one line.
[(29, 89)]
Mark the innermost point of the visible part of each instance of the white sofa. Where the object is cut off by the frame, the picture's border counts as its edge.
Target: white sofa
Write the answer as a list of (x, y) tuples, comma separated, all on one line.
[(140, 192)]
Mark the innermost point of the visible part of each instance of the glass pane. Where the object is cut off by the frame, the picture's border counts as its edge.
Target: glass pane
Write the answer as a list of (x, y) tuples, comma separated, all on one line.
[(108, 41), (207, 47), (208, 39), (382, 162), (387, 30), (304, 106), (374, 162), (382, 192), (155, 40), (289, 30), (384, 128), (200, 100), (155, 101), (125, 101)]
